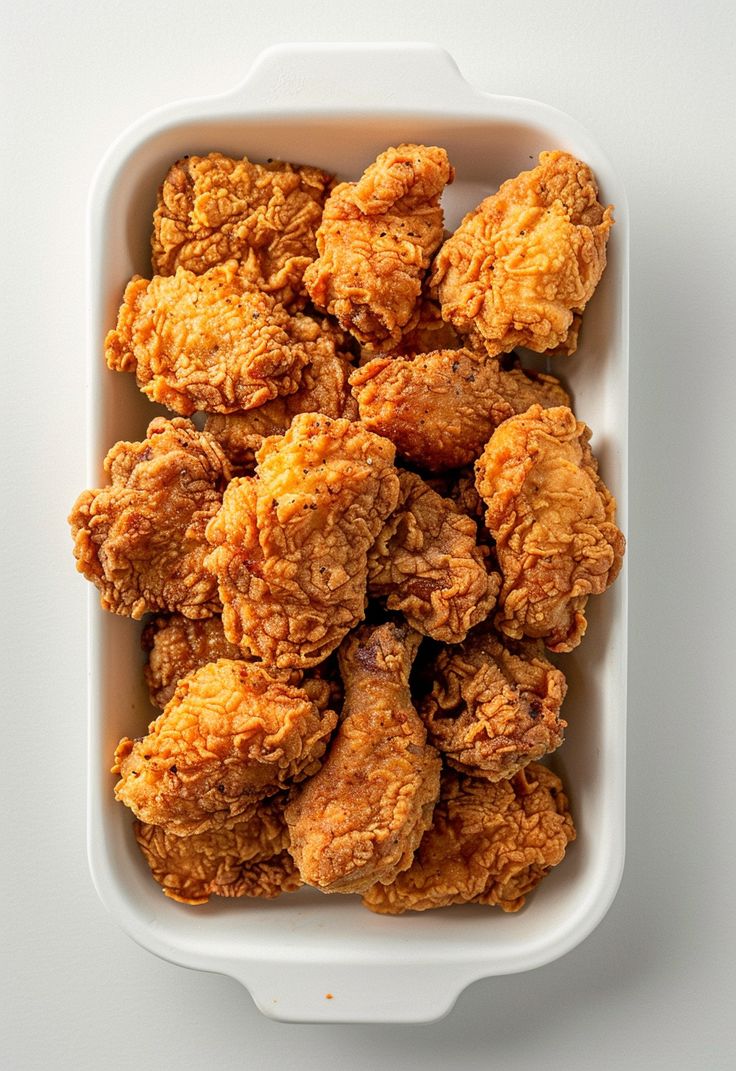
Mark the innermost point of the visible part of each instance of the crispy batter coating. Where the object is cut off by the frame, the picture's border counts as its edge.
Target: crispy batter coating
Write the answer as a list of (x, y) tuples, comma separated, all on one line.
[(141, 540), (376, 241), (249, 857), (291, 543), (212, 208), (323, 389), (361, 817), (440, 409), (426, 563), (231, 735), (430, 333), (527, 259), (211, 342), (494, 707), (175, 646), (553, 520), (490, 843)]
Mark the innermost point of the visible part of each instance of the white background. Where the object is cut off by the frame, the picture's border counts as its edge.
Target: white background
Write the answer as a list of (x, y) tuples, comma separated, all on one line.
[(654, 986)]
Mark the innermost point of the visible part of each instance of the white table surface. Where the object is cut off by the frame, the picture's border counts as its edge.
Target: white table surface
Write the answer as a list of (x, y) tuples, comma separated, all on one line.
[(654, 985)]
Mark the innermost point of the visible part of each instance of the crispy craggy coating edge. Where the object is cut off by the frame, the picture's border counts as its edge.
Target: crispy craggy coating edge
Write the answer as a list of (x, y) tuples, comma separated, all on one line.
[(489, 843), (426, 564), (248, 857), (493, 707), (176, 645), (141, 540), (553, 520), (230, 736), (524, 263), (291, 543), (376, 241), (213, 208), (361, 816)]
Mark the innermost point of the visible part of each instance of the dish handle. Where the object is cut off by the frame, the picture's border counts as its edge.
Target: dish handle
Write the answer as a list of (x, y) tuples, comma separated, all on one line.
[(313, 77), (350, 993)]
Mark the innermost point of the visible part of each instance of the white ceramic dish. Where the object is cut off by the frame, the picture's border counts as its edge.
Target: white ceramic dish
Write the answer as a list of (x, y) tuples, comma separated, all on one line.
[(308, 957)]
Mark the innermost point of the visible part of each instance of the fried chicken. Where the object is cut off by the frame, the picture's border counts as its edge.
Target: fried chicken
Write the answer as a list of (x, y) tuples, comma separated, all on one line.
[(323, 389), (440, 409), (212, 209), (430, 333), (493, 707), (376, 240), (175, 646), (426, 563), (231, 735), (361, 817), (553, 520), (247, 858), (524, 262), (141, 540), (291, 543), (489, 843), (212, 342)]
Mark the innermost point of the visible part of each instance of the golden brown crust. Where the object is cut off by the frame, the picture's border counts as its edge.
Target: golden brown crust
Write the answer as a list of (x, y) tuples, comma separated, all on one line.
[(323, 389), (212, 342), (553, 520), (249, 857), (213, 208), (361, 817), (493, 707), (489, 843), (230, 736), (141, 540), (175, 646), (291, 543), (376, 241), (441, 408), (426, 563), (527, 259)]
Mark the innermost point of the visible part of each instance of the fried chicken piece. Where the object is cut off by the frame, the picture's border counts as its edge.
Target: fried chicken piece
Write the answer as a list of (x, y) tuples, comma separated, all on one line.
[(175, 646), (527, 259), (231, 735), (249, 857), (376, 240), (489, 843), (361, 817), (212, 342), (212, 209), (426, 564), (291, 543), (553, 520), (323, 389), (440, 409), (493, 707), (141, 540)]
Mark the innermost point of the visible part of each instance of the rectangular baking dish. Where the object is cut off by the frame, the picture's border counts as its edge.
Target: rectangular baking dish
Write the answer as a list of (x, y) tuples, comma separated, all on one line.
[(305, 956)]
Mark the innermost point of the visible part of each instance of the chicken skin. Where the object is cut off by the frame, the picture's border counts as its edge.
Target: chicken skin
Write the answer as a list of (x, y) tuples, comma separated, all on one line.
[(553, 520), (212, 209), (212, 342), (141, 540), (323, 389), (376, 241), (361, 817), (249, 857), (441, 408), (524, 262), (231, 735), (426, 564), (291, 543), (489, 843), (493, 707)]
